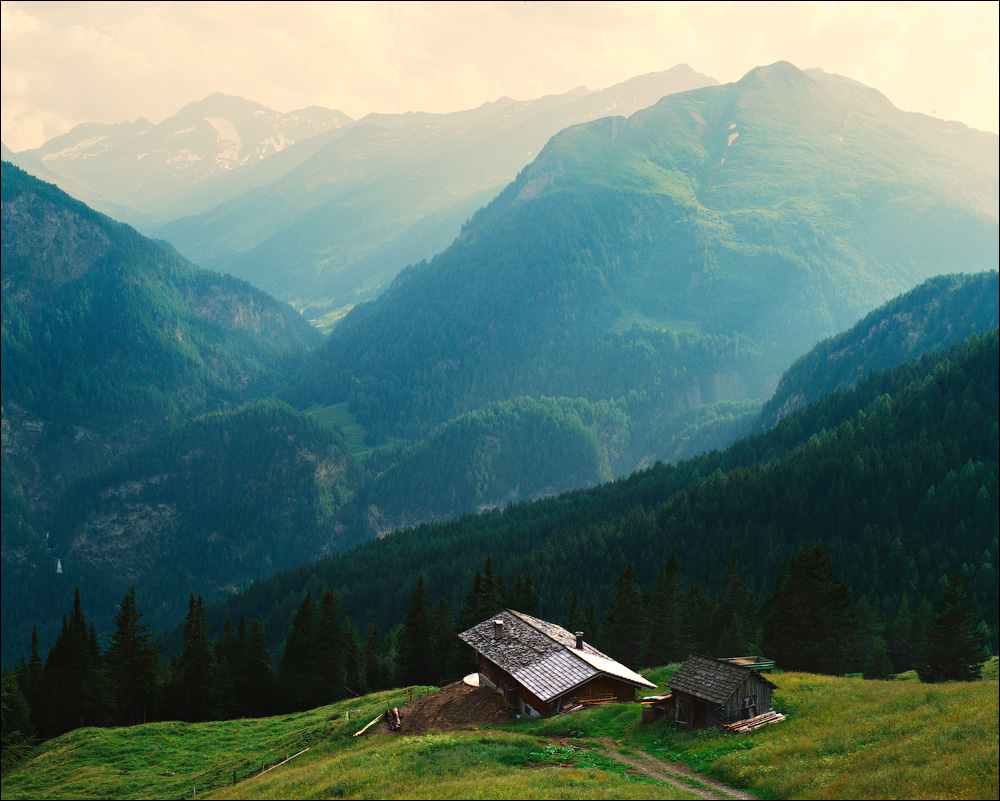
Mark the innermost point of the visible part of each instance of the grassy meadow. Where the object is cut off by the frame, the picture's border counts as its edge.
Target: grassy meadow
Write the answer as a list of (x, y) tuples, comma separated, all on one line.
[(338, 416), (844, 738)]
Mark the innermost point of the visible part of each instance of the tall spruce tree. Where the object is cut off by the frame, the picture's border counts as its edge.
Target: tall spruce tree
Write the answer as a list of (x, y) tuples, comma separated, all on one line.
[(196, 667), (621, 633), (296, 676), (665, 630), (488, 595), (73, 680), (735, 615), (953, 648), (258, 689), (133, 662), (576, 620), (415, 658), (330, 652), (809, 627), (373, 667)]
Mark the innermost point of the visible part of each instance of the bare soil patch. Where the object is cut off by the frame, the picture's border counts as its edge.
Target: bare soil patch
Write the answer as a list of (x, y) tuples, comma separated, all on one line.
[(455, 706)]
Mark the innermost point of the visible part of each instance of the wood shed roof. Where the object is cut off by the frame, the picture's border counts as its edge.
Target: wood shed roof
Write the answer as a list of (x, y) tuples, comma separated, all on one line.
[(543, 656), (710, 679)]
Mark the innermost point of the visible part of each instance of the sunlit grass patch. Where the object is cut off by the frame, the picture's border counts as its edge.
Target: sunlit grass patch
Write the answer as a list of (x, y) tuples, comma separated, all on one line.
[(446, 765), (168, 759)]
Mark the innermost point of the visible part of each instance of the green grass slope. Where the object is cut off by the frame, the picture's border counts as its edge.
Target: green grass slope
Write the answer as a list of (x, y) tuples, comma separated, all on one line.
[(843, 738)]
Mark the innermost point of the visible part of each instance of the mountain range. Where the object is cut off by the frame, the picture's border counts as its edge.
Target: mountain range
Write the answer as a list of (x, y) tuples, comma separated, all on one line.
[(156, 172), (677, 259), (311, 206), (635, 294)]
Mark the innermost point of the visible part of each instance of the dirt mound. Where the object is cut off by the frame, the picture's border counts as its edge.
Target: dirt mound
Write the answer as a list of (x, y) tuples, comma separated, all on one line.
[(456, 706)]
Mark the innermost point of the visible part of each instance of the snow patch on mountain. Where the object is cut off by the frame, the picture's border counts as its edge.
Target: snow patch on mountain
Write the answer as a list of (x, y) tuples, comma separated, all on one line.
[(230, 143), (76, 151)]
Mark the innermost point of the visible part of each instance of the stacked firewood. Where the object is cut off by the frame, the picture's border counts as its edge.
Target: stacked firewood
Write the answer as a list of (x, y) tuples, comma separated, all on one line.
[(750, 724)]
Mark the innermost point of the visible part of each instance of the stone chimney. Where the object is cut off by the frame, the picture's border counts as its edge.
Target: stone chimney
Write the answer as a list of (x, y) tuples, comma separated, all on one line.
[(579, 641), (497, 629)]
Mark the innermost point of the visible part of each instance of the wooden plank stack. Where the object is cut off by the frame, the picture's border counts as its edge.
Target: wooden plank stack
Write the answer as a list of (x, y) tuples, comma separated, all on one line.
[(598, 700), (740, 726)]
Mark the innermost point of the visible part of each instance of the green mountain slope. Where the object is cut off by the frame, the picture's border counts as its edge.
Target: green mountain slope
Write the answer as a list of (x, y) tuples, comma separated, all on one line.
[(523, 448), (681, 257), (897, 476), (933, 316), (219, 501), (109, 338), (389, 191)]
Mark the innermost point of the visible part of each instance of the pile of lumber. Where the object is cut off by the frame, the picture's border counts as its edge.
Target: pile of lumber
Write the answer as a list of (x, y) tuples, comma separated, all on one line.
[(740, 726), (598, 700)]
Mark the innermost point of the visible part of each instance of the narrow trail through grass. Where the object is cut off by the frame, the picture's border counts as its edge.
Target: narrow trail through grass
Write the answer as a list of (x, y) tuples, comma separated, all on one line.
[(672, 773)]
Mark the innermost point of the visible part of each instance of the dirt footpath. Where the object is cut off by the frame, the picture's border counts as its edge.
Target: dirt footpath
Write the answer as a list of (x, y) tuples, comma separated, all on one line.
[(671, 773), (456, 706)]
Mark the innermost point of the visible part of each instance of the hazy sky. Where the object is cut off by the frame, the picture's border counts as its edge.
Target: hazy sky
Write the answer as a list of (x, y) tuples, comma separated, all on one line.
[(69, 62)]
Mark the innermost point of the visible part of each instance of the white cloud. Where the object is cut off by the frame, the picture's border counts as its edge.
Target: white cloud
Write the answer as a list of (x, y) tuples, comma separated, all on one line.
[(64, 63)]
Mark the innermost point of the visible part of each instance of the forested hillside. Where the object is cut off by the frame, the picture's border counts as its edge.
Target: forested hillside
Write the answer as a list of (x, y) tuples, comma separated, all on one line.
[(941, 311), (109, 338), (217, 502), (679, 258), (896, 476), (522, 448)]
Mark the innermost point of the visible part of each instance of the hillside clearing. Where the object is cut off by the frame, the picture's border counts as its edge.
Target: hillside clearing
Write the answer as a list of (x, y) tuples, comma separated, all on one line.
[(844, 738)]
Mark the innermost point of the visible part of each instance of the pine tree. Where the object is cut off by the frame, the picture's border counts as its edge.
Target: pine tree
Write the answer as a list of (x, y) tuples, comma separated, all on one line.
[(953, 648), (259, 689), (16, 731), (697, 619), (809, 627), (445, 643), (329, 671), (73, 680), (576, 620), (665, 630), (622, 631), (735, 615), (196, 667), (487, 597), (373, 667), (132, 662), (878, 664), (298, 661), (414, 656)]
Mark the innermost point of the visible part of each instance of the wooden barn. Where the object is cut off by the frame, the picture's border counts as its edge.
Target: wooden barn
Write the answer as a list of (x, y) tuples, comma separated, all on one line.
[(713, 692), (541, 669)]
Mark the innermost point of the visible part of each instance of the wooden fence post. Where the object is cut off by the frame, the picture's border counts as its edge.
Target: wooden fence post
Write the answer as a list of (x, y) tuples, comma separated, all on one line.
[(234, 776)]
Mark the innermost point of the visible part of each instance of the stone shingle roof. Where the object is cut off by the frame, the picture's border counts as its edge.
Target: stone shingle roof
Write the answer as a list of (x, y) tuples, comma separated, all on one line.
[(710, 679), (543, 656)]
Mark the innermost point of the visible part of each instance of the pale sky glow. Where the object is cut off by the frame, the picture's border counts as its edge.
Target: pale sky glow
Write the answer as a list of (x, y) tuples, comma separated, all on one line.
[(66, 62)]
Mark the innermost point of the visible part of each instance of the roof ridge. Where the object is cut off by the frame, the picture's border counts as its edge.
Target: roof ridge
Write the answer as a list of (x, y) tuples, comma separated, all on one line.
[(522, 615)]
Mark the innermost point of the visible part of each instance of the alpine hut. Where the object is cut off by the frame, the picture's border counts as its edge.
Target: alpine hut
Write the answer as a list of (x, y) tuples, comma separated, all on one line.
[(541, 668), (713, 692)]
